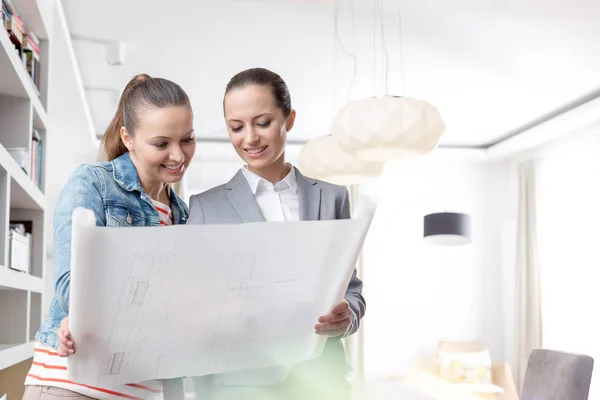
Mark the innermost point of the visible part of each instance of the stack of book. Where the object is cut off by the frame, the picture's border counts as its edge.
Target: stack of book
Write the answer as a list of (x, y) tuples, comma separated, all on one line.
[(25, 41), (12, 22), (30, 55)]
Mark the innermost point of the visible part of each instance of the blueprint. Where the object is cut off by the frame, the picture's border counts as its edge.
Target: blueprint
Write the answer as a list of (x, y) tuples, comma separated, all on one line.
[(191, 300)]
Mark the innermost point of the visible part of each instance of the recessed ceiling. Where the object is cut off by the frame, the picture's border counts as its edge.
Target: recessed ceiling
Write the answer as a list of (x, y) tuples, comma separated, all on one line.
[(489, 67)]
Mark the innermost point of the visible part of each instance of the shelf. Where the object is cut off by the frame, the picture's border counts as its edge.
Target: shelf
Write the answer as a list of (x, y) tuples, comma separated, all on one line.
[(23, 108), (24, 193), (14, 354), (40, 118), (14, 280), (35, 314), (15, 79)]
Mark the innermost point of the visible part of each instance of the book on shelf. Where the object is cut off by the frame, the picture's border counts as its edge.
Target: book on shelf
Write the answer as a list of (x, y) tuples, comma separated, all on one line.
[(30, 56), (24, 39), (8, 10), (37, 154), (12, 22)]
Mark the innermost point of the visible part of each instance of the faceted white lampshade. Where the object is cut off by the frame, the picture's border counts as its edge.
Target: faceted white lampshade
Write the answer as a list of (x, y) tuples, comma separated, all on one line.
[(322, 158), (387, 128)]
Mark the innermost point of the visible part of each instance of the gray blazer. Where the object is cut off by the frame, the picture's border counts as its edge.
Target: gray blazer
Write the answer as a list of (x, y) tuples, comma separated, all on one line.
[(234, 203)]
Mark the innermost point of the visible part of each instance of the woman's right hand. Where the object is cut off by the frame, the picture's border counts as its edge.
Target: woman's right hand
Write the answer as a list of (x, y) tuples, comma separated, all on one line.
[(66, 344)]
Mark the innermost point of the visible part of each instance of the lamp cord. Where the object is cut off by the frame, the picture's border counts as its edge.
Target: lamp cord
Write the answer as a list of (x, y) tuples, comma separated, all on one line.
[(401, 47), (341, 44)]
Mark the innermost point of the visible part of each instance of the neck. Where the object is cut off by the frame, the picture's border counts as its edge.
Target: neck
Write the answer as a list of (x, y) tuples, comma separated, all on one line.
[(153, 188), (273, 173), (156, 190)]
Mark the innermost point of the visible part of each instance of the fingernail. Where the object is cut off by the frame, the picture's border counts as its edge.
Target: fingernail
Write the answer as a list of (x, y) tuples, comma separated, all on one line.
[(322, 319)]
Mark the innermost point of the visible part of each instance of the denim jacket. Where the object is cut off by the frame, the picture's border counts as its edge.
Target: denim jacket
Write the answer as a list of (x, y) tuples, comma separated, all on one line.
[(112, 190)]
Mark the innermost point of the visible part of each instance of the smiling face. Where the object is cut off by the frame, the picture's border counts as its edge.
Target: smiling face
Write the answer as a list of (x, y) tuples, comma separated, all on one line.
[(258, 129), (162, 145)]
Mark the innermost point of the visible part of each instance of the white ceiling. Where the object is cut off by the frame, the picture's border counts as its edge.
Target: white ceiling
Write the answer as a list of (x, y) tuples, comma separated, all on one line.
[(489, 66)]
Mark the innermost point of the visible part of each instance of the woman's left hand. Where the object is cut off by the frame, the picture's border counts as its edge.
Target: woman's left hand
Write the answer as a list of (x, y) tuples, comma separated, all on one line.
[(337, 322), (66, 345)]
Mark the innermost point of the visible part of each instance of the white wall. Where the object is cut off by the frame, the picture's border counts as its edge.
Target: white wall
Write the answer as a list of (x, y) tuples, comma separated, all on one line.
[(204, 65), (569, 220), (70, 139), (418, 294), (567, 217)]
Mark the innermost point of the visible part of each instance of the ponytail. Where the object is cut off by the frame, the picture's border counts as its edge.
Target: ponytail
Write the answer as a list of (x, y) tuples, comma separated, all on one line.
[(111, 145)]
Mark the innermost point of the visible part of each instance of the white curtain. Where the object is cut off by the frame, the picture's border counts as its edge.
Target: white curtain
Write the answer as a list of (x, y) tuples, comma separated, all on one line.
[(354, 344), (528, 301)]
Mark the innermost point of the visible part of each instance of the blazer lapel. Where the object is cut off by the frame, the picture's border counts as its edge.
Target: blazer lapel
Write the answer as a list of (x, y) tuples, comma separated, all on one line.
[(241, 198), (309, 198)]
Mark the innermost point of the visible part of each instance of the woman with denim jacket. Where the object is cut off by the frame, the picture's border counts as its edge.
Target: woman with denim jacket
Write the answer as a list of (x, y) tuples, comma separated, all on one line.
[(149, 145)]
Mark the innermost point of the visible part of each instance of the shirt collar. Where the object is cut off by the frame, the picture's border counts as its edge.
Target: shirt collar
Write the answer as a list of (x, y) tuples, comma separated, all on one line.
[(255, 180)]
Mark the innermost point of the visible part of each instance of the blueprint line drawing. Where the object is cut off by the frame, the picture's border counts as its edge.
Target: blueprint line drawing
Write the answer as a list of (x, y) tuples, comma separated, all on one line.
[(240, 277), (192, 300), (115, 363)]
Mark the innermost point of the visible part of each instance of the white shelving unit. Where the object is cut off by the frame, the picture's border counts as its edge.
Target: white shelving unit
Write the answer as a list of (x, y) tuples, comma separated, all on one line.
[(22, 109)]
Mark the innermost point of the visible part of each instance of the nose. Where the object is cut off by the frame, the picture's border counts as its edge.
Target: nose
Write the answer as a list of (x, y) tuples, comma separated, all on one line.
[(251, 137), (177, 155)]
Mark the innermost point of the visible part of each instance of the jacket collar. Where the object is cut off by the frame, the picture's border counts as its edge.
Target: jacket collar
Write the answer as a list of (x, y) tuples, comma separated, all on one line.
[(241, 197), (125, 173), (126, 176)]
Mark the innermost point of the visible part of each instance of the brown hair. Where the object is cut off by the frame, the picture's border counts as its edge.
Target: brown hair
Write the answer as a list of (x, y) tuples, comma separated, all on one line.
[(263, 77), (142, 90)]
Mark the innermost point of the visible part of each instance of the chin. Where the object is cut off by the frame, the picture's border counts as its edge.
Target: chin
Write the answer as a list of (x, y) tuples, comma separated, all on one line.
[(258, 164), (169, 178)]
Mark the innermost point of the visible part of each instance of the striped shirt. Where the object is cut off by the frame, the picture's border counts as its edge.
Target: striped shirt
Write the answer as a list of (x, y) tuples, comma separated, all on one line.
[(49, 369), (164, 212)]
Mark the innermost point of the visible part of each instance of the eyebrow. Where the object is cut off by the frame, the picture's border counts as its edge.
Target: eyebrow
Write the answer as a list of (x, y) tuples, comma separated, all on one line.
[(258, 116), (168, 138)]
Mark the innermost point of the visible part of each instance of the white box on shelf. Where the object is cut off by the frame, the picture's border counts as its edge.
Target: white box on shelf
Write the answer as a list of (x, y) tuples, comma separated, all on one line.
[(18, 251), (21, 156)]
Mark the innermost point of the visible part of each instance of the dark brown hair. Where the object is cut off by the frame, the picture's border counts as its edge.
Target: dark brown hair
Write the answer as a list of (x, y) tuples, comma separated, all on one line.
[(263, 77), (142, 90)]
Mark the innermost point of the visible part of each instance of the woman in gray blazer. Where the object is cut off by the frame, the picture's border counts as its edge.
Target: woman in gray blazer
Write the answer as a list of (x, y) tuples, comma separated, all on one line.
[(259, 114)]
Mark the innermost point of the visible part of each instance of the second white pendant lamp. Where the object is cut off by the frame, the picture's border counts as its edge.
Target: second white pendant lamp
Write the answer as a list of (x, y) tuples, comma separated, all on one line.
[(322, 158)]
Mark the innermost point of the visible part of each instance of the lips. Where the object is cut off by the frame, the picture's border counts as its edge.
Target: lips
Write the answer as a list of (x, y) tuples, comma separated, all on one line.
[(174, 169), (256, 152)]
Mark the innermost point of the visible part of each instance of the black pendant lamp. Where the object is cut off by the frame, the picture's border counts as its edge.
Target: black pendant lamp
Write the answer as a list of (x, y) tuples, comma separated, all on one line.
[(447, 229)]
